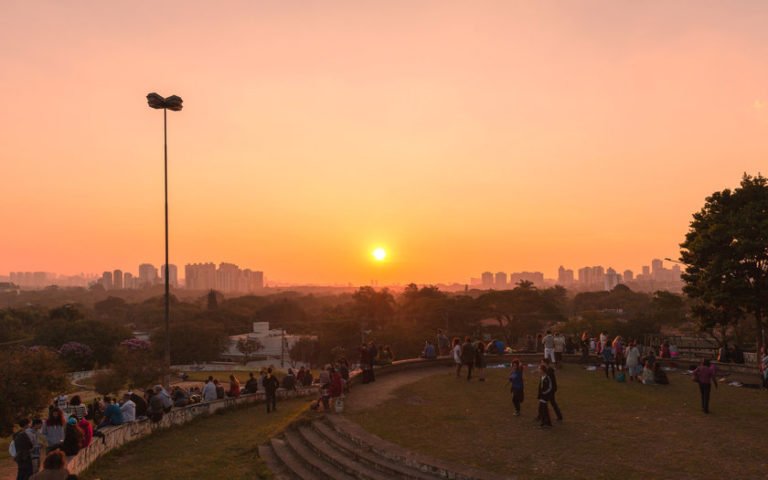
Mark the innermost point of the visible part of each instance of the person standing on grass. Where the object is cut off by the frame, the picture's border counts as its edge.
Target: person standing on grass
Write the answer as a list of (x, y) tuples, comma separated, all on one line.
[(468, 356), (545, 391), (553, 380), (518, 386), (618, 352), (559, 341), (270, 388), (443, 344), (704, 375), (607, 355), (548, 341), (21, 449), (480, 362), (584, 344), (457, 355), (633, 361)]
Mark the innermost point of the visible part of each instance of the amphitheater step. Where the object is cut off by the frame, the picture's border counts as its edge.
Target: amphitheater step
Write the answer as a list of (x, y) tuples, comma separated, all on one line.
[(339, 458), (279, 472), (396, 454), (319, 465), (290, 462), (388, 468)]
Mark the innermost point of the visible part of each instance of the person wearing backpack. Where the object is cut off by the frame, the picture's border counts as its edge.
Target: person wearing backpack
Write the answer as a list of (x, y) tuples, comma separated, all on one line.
[(21, 450)]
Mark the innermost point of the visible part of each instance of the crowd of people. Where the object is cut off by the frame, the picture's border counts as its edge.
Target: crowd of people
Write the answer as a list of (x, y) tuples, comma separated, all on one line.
[(72, 425)]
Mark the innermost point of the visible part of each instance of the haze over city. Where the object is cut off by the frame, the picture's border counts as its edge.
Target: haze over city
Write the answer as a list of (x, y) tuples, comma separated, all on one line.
[(457, 137)]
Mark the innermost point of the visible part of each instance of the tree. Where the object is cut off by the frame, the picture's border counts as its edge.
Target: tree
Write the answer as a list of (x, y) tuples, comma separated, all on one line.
[(726, 255), (29, 378), (136, 364), (249, 346), (304, 350), (106, 382)]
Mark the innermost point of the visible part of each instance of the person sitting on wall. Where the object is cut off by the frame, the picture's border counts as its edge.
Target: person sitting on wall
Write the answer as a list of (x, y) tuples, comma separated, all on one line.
[(429, 351), (180, 397), (113, 416), (234, 387), (289, 381), (128, 408), (252, 385)]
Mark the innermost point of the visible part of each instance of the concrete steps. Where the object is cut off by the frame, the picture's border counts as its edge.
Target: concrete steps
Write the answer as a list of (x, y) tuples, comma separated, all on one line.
[(335, 448)]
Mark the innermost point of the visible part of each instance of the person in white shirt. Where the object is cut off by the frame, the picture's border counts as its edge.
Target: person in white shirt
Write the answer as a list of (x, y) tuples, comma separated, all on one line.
[(209, 391), (559, 346), (549, 347), (128, 408)]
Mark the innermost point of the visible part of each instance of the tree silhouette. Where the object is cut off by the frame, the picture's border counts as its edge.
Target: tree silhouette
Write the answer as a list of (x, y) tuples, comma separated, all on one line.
[(726, 256)]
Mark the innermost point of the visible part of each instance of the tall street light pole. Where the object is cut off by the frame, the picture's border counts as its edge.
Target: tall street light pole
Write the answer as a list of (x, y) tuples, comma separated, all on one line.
[(173, 103)]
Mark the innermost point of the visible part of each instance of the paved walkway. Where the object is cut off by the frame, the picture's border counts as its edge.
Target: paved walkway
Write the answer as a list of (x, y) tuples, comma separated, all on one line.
[(363, 397)]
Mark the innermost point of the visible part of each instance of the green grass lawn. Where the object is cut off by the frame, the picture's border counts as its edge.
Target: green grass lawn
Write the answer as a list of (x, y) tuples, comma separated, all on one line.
[(610, 431), (220, 446)]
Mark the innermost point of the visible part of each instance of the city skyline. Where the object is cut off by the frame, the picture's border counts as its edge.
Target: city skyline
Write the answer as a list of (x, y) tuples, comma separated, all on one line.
[(207, 275), (455, 136)]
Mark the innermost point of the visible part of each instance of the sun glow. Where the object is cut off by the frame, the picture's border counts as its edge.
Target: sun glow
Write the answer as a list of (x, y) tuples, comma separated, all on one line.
[(379, 254)]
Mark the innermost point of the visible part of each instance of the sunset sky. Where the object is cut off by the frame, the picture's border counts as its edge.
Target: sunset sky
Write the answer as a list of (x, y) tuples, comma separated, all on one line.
[(460, 136)]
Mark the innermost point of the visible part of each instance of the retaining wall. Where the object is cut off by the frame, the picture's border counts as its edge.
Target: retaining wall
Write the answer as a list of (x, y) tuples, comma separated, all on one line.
[(115, 437)]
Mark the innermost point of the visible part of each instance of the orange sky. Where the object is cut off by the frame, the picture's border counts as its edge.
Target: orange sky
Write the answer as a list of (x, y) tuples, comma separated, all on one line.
[(463, 136)]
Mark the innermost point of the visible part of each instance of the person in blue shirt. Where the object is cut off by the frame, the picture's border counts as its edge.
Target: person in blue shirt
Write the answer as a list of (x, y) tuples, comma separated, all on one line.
[(518, 386), (112, 414), (429, 352), (608, 359)]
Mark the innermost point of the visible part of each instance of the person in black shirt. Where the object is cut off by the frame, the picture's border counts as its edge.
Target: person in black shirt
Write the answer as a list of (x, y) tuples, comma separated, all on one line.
[(553, 379), (270, 389)]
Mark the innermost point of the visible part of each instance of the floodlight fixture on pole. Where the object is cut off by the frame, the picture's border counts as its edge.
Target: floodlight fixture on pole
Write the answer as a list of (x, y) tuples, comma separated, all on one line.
[(173, 103)]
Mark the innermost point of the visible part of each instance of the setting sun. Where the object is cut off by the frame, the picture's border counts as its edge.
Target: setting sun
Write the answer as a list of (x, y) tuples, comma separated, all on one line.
[(379, 254)]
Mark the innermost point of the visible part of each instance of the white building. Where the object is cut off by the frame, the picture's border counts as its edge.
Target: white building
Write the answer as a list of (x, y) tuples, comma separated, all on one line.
[(270, 339)]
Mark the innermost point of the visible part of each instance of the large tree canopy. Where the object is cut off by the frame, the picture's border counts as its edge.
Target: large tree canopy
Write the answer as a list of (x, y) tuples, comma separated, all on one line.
[(726, 254)]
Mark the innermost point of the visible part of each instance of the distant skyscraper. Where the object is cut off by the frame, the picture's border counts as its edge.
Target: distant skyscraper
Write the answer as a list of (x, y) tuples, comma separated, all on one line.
[(128, 280), (147, 275), (628, 276), (646, 272), (611, 279), (564, 276), (200, 276), (173, 275), (657, 268), (117, 279), (254, 281), (500, 281), (106, 280), (487, 280), (228, 277)]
